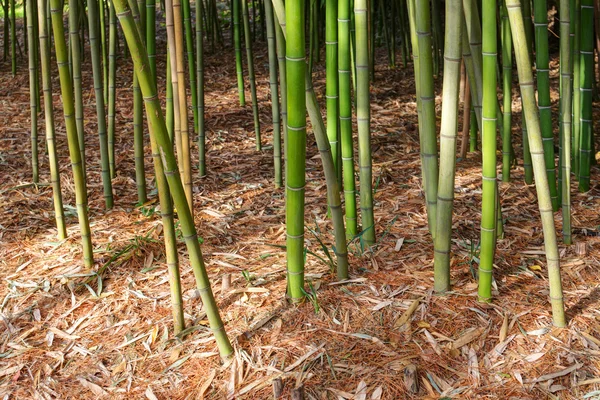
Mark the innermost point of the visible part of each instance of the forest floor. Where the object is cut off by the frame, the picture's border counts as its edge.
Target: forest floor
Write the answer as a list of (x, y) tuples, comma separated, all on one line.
[(65, 334)]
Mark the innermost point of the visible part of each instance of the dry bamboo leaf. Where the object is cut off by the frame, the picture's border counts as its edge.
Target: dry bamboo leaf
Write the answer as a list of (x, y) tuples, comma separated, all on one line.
[(434, 344), (150, 394), (473, 367), (206, 384), (553, 375), (503, 329), (377, 393), (406, 315), (97, 390), (304, 357), (467, 338)]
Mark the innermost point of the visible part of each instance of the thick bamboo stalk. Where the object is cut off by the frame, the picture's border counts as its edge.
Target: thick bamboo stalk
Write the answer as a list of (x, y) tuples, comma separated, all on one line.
[(448, 133), (95, 49), (586, 76), (238, 50), (274, 92), (576, 88), (537, 153), (566, 74), (428, 136), (56, 9), (251, 73), (164, 147), (296, 146), (363, 117), (345, 103), (33, 93), (488, 145), (59, 214), (542, 62)]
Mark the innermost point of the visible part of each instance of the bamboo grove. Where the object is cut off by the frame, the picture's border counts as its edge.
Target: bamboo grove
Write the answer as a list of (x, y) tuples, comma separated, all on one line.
[(468, 47)]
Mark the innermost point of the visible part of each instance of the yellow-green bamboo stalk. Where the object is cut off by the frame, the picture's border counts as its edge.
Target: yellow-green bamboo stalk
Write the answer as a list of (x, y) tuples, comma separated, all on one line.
[(62, 59), (537, 154)]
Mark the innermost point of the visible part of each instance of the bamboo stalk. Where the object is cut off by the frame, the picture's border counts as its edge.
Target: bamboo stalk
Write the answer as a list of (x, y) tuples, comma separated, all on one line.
[(251, 73), (33, 108), (448, 133), (586, 76), (332, 85), (56, 9), (200, 89), (164, 147), (75, 53), (238, 50), (507, 64), (59, 214), (112, 73), (274, 92), (566, 73), (537, 153)]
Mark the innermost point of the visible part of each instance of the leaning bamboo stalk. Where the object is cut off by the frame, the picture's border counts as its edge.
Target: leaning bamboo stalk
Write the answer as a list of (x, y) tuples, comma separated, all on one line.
[(59, 214), (56, 9), (537, 153), (164, 147), (448, 133)]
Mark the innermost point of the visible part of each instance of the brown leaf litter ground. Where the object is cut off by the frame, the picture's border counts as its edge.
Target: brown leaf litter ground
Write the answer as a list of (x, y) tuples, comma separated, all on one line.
[(113, 338)]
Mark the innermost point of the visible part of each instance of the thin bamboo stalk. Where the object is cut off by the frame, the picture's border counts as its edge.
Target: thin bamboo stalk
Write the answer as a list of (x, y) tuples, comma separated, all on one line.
[(251, 73), (507, 64), (280, 44), (95, 49), (33, 93), (332, 85), (75, 53), (200, 89), (59, 214), (586, 76), (566, 73), (112, 91), (274, 92), (189, 45), (238, 50)]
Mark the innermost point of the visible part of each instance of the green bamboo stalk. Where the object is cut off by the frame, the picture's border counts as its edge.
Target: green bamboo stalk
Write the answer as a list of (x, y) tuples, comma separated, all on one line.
[(274, 92), (507, 63), (102, 27), (251, 72), (238, 50), (112, 73), (56, 9), (363, 116), (59, 214), (151, 34), (200, 89), (312, 21), (186, 171), (537, 153), (169, 118), (473, 131), (576, 88), (428, 136), (542, 61), (586, 76), (565, 112), (448, 133), (280, 44), (332, 85), (33, 93), (296, 146), (95, 49), (75, 53), (345, 103), (488, 144), (189, 43), (6, 14), (529, 29), (475, 88), (164, 147)]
